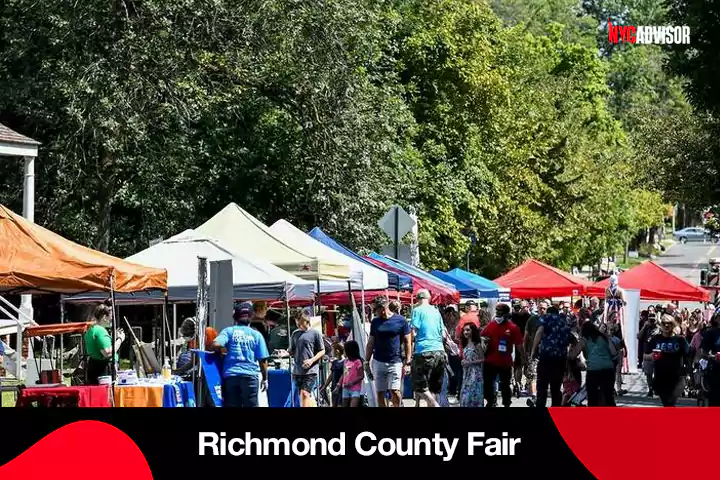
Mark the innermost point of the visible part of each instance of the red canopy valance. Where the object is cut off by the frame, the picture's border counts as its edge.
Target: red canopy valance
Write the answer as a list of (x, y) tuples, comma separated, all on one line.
[(534, 279)]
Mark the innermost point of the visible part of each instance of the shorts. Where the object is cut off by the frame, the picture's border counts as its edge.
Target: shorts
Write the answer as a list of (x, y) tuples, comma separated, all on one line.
[(428, 371), (351, 393), (530, 369), (307, 383), (388, 376)]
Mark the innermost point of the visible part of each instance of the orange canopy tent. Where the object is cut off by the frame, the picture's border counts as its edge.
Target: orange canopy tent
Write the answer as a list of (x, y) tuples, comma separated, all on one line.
[(655, 283), (534, 279), (36, 260), (57, 329)]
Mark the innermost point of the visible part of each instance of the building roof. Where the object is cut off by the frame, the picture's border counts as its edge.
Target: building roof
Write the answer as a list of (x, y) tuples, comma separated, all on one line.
[(11, 136)]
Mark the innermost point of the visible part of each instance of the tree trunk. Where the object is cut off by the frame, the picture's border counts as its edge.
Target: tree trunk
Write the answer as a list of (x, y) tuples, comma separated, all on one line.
[(106, 196)]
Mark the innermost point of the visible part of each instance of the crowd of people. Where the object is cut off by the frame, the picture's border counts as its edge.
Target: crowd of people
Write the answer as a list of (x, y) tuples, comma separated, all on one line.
[(561, 352)]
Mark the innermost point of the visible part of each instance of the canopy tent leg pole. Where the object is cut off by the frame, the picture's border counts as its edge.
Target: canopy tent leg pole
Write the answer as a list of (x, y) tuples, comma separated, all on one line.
[(163, 333), (290, 360), (318, 303), (174, 335), (354, 307), (201, 321), (113, 335), (170, 336), (362, 305), (62, 343), (287, 316)]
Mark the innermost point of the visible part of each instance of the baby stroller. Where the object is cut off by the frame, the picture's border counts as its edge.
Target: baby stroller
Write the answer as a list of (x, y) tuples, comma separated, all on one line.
[(701, 383), (574, 392), (578, 398)]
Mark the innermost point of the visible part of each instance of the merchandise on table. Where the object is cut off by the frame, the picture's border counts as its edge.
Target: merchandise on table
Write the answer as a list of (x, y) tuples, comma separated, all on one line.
[(155, 392)]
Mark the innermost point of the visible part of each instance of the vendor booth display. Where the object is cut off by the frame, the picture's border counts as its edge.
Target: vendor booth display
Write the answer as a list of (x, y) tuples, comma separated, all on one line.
[(245, 235), (34, 260), (85, 396), (36, 371), (534, 279), (155, 393)]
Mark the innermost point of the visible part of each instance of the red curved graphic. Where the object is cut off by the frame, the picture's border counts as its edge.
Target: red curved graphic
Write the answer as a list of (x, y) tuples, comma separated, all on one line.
[(640, 442), (85, 450)]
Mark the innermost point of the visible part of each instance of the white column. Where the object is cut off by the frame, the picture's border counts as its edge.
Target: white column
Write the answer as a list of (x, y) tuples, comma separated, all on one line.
[(28, 213)]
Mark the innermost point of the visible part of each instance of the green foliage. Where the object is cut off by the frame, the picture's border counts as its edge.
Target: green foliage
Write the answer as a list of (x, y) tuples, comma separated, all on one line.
[(153, 115)]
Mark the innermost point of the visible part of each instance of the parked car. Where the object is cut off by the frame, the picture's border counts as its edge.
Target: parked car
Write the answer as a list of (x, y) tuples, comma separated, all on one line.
[(693, 234)]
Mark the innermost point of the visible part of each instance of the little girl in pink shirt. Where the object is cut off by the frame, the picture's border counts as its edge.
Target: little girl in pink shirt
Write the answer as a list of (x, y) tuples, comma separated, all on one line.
[(353, 375)]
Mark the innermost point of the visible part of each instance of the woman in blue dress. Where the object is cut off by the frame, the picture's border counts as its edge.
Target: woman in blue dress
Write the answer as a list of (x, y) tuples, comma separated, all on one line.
[(471, 394)]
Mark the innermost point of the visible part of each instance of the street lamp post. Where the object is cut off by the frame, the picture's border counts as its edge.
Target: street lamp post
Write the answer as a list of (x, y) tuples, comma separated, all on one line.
[(13, 144)]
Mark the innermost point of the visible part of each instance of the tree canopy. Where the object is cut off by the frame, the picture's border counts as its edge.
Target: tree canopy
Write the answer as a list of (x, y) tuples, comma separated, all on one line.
[(512, 121)]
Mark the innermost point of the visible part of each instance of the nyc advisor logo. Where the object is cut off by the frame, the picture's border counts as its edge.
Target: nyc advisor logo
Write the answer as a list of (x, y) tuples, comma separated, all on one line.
[(648, 35)]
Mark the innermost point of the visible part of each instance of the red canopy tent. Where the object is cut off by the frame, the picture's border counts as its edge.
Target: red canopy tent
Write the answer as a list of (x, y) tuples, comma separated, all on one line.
[(440, 294), (655, 283), (534, 279), (343, 298)]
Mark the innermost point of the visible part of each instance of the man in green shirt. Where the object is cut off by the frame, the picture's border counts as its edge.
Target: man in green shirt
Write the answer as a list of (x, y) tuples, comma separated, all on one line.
[(98, 344)]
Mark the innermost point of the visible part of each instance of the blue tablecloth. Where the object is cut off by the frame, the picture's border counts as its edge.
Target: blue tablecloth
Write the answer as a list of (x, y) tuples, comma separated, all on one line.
[(212, 368), (179, 394), (281, 389)]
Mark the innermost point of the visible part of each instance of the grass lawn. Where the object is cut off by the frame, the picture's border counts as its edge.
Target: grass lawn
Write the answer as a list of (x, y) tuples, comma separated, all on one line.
[(630, 263)]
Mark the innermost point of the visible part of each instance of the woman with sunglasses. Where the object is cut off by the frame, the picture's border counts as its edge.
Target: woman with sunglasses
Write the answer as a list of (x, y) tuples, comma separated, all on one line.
[(670, 354)]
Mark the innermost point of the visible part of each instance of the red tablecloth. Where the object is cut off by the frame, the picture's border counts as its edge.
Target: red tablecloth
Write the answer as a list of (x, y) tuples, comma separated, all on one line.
[(86, 396)]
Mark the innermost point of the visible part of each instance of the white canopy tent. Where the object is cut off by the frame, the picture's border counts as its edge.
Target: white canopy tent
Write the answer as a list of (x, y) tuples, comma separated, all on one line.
[(252, 279), (248, 236), (362, 276)]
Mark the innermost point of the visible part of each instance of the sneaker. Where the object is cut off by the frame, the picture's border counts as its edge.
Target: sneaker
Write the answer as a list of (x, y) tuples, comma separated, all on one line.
[(650, 394)]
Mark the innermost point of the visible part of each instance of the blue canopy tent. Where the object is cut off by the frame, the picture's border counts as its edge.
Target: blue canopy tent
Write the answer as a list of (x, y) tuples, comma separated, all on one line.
[(395, 281), (486, 288), (406, 267), (467, 290)]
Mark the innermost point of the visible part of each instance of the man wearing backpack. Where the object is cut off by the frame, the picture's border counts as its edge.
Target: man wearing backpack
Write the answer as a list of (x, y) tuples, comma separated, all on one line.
[(551, 346)]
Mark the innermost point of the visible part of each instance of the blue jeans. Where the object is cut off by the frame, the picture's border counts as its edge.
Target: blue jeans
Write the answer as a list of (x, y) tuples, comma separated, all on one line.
[(240, 391)]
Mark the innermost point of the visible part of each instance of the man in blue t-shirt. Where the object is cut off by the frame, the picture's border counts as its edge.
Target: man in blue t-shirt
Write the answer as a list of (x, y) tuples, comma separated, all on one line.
[(429, 359), (389, 333), (245, 361)]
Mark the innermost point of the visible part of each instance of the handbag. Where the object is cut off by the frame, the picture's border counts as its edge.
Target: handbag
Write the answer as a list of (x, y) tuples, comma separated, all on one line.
[(451, 348)]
